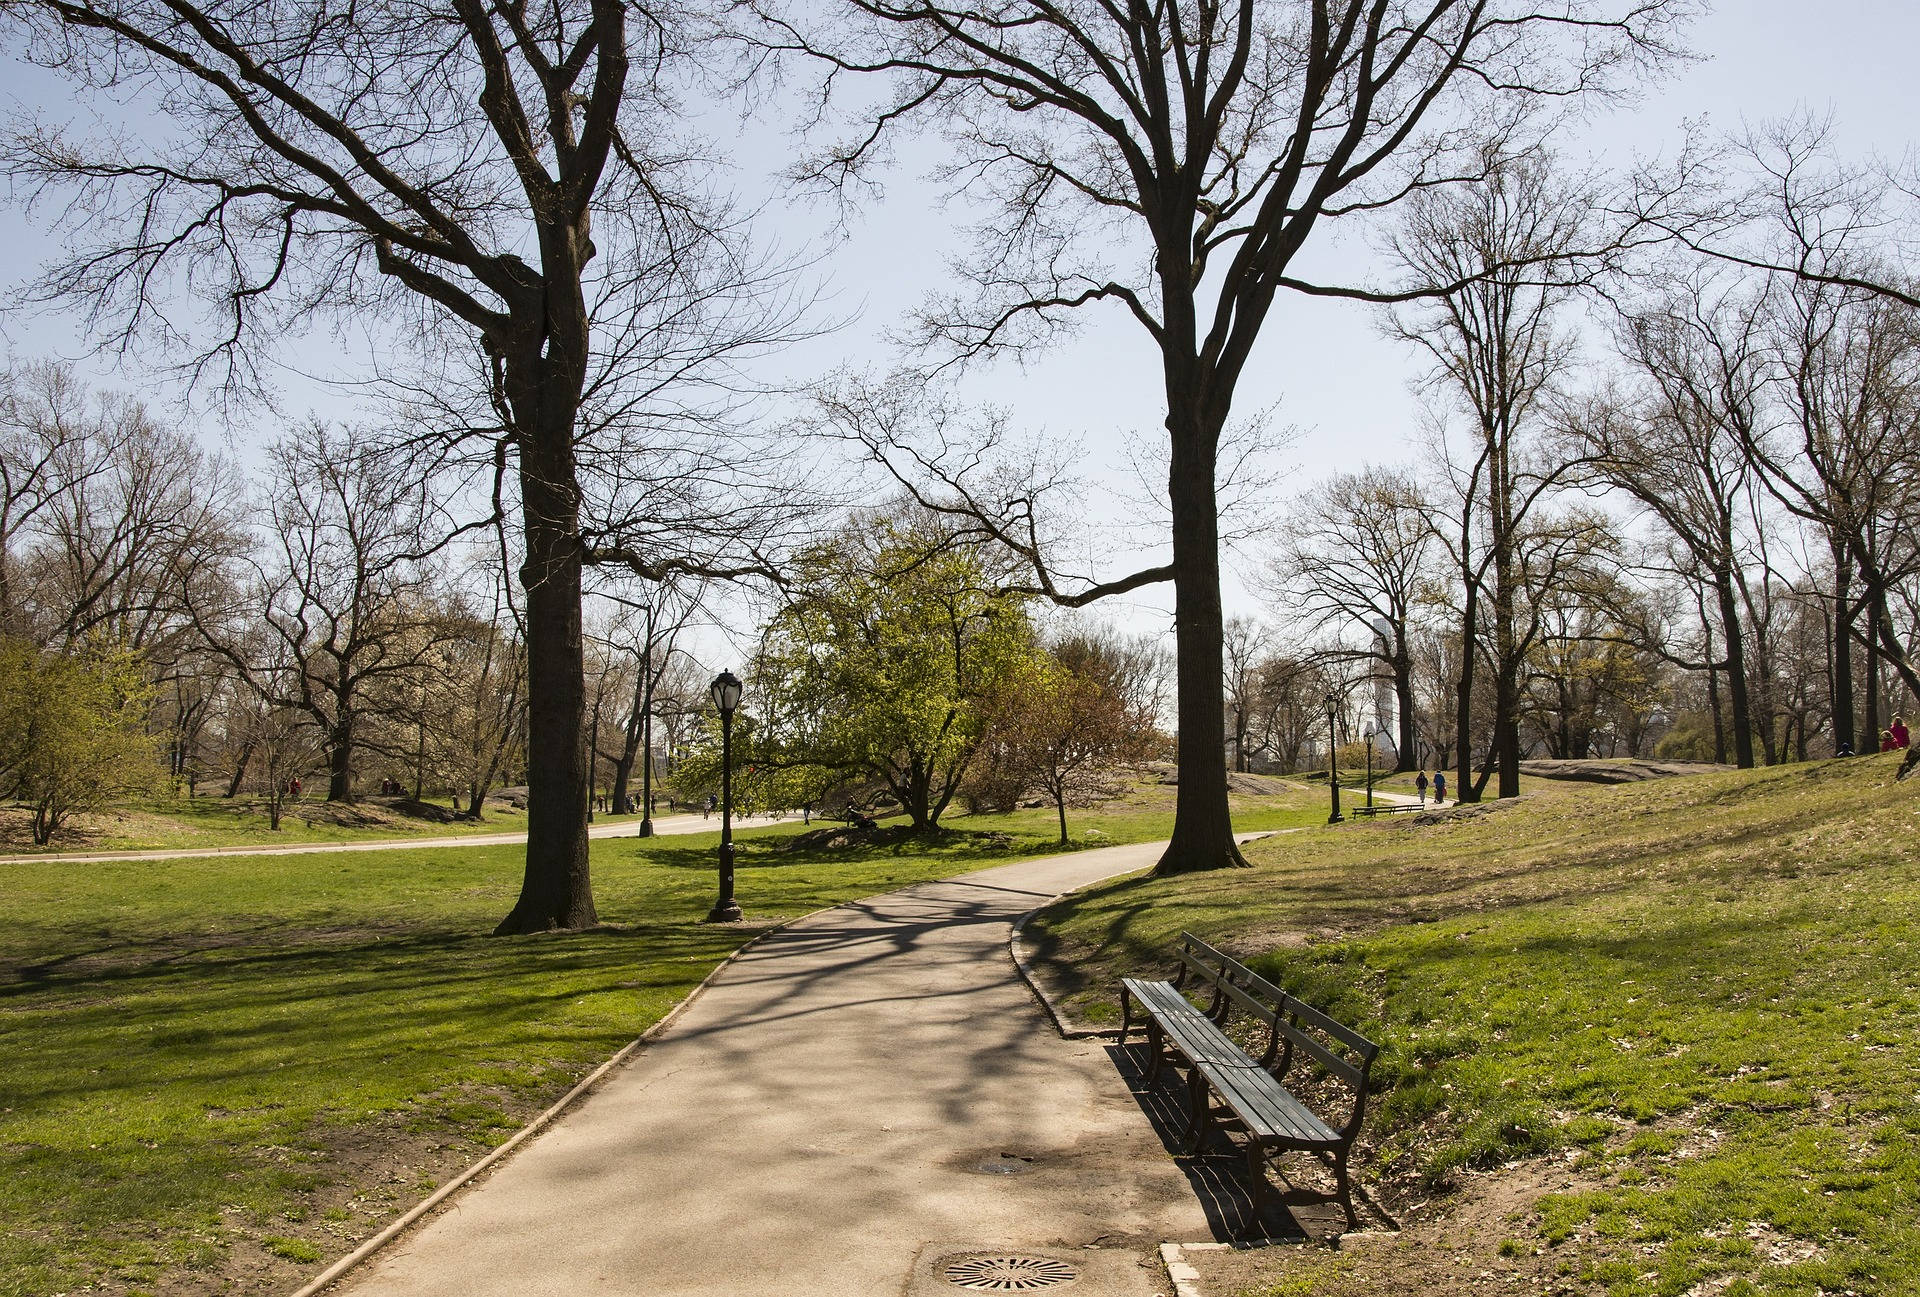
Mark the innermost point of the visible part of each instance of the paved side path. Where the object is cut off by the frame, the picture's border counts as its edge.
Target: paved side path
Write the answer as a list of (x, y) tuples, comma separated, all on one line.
[(818, 1121), (663, 825)]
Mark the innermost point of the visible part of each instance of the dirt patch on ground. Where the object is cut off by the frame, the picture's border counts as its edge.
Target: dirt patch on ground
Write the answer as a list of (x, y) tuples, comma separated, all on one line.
[(1616, 770), (360, 1179), (213, 821), (1476, 1240)]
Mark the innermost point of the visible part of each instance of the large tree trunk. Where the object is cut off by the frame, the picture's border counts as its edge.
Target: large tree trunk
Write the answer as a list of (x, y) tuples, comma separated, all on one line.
[(1409, 757), (1841, 703), (557, 890), (239, 769), (1736, 660), (340, 760), (1506, 662), (1465, 789), (1202, 824)]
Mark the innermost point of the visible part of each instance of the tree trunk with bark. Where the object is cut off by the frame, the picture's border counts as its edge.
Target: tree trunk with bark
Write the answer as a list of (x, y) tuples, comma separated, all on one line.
[(1409, 756), (556, 891), (1841, 641), (1466, 791), (1736, 660), (1202, 823), (340, 758)]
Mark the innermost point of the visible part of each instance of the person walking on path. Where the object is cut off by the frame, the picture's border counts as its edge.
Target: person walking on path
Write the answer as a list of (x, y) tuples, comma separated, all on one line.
[(1439, 787), (1420, 786)]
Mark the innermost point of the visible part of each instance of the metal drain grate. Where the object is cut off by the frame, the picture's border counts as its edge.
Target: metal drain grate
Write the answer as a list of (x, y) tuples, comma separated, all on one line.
[(1009, 1273)]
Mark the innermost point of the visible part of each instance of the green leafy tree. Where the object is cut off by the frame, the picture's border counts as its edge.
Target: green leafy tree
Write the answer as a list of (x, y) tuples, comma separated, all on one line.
[(1067, 718), (72, 730), (887, 661)]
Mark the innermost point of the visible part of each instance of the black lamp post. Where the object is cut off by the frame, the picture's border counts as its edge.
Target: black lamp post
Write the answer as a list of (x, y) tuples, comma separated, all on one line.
[(1333, 757), (725, 692)]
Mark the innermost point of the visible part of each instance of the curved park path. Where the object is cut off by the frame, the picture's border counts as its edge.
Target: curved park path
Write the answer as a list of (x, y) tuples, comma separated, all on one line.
[(663, 825), (845, 1108)]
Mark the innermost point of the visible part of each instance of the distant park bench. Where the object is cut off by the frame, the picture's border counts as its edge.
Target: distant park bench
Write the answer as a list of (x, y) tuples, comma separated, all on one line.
[(1389, 808), (1274, 1120)]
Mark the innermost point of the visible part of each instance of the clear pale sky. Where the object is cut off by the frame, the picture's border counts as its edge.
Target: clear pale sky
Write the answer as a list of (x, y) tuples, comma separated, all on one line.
[(1323, 362)]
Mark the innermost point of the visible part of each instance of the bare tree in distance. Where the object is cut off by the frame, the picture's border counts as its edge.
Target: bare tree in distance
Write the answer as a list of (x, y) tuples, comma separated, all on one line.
[(1846, 454), (648, 626), (1505, 258), (1359, 550), (338, 609), (1173, 161), (49, 444), (1678, 446), (1779, 198), (506, 188), (1244, 643)]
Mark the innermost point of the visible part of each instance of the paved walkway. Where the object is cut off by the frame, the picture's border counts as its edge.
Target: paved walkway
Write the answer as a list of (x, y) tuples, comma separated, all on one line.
[(848, 1104), (663, 826)]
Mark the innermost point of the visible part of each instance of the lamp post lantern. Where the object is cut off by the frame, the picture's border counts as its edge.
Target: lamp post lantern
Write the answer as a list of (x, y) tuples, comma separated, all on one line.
[(725, 692), (1333, 757)]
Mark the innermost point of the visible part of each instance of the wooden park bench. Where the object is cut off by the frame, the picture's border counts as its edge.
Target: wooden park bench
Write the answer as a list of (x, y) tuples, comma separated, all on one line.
[(1388, 808), (1251, 1089)]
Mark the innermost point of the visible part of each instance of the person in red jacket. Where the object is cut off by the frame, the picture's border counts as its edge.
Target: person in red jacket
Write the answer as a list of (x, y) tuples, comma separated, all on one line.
[(1898, 732)]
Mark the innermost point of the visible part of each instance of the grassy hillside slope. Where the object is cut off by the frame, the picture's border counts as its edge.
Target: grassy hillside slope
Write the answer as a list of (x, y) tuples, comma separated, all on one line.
[(1700, 995)]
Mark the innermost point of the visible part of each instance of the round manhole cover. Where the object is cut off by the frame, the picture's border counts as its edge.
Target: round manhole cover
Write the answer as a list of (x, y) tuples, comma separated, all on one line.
[(1009, 1273)]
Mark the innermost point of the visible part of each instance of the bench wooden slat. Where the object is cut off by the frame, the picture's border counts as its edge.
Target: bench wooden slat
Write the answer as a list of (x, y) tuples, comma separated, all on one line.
[(1268, 1110), (1248, 1003), (1307, 1013), (1331, 1061), (1192, 1032)]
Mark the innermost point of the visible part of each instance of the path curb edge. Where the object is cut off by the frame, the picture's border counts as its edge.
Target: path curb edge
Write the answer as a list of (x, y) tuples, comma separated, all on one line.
[(1068, 1029), (334, 1273)]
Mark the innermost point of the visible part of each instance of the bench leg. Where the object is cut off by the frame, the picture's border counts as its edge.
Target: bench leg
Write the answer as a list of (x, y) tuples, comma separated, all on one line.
[(1345, 1184), (1257, 1186), (1126, 1015), (1155, 1053), (1198, 1111)]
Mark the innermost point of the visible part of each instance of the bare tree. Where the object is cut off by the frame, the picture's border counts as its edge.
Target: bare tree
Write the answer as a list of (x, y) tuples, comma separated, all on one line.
[(50, 443), (1509, 247), (1847, 458), (506, 187), (1245, 643), (476, 712), (648, 629), (339, 606), (1173, 161), (1358, 552), (1678, 448)]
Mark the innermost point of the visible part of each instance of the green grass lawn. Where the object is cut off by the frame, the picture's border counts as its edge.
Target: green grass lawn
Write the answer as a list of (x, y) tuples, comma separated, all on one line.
[(1700, 993), (221, 1071)]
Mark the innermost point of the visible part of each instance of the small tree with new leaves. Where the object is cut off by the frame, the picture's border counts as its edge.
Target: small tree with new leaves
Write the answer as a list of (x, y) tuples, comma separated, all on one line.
[(1066, 718), (887, 660), (72, 730)]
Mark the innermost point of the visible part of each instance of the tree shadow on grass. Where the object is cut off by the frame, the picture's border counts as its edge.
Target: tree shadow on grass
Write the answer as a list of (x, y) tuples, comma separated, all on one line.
[(961, 847)]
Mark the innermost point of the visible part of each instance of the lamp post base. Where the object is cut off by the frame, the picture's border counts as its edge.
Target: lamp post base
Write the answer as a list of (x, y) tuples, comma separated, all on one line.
[(646, 828), (725, 912)]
